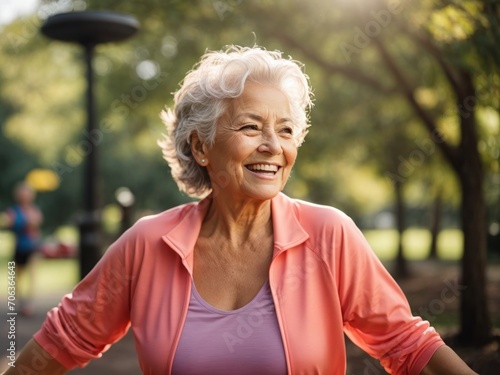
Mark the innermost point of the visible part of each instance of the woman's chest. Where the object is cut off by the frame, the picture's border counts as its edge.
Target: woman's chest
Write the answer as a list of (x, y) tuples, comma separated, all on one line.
[(229, 278)]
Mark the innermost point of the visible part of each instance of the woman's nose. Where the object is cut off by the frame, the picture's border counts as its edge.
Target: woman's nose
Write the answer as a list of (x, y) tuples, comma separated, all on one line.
[(270, 143)]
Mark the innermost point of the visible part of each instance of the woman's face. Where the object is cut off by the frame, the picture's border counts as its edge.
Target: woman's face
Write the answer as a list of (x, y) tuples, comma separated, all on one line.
[(254, 148)]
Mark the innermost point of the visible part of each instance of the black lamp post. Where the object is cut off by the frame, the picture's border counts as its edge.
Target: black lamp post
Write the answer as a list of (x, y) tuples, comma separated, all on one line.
[(90, 28)]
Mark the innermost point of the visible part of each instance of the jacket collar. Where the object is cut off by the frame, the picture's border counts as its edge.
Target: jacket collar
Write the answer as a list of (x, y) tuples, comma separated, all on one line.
[(286, 226), (288, 231)]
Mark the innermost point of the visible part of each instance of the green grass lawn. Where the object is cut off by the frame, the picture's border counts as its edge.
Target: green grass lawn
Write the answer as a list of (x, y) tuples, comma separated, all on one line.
[(62, 274), (416, 243), (51, 275)]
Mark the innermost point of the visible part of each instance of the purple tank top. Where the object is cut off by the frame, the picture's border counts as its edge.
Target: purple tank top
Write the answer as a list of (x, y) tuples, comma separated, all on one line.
[(246, 341)]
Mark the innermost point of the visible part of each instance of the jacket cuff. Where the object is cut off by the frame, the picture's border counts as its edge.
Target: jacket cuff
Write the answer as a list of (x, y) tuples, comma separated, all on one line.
[(55, 349)]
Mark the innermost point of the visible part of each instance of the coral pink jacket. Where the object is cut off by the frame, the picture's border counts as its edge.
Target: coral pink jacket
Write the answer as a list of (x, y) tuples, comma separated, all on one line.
[(325, 281)]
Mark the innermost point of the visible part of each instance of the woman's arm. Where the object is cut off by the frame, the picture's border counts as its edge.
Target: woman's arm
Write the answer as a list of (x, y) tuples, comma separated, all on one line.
[(34, 359), (446, 362)]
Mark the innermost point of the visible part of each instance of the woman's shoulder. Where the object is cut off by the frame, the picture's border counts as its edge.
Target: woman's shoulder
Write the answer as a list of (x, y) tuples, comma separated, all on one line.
[(145, 236), (324, 223), (169, 216), (320, 214), (156, 225), (330, 230)]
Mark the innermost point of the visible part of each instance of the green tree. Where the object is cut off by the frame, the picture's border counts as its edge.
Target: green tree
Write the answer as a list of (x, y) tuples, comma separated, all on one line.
[(380, 46)]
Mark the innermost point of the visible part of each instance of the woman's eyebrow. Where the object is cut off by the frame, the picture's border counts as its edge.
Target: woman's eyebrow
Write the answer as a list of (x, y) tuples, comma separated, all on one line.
[(259, 118), (284, 119), (250, 115)]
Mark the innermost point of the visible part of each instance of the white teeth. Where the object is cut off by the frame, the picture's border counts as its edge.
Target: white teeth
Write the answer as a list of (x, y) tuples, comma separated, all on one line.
[(263, 167)]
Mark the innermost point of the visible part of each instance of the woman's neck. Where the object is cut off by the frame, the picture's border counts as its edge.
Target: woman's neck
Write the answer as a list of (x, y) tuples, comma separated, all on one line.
[(238, 222)]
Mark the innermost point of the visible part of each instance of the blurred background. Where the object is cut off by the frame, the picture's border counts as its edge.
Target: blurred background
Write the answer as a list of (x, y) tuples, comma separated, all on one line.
[(405, 134)]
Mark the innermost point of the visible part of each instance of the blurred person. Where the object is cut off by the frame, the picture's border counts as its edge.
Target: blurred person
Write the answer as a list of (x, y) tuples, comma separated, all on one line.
[(245, 280), (24, 219)]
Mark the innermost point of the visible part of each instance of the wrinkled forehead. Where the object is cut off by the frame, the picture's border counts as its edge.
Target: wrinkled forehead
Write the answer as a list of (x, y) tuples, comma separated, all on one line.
[(258, 99)]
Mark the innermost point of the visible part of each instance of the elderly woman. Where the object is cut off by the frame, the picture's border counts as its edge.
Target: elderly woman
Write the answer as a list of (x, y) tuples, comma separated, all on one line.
[(247, 280)]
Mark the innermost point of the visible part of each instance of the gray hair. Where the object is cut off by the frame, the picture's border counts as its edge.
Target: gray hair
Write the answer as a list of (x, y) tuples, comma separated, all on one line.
[(202, 100)]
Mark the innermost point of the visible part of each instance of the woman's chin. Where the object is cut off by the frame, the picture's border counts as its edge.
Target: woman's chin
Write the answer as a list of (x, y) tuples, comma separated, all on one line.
[(263, 193)]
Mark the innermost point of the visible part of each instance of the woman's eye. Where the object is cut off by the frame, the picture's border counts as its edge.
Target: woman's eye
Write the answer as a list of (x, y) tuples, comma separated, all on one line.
[(287, 130), (249, 127)]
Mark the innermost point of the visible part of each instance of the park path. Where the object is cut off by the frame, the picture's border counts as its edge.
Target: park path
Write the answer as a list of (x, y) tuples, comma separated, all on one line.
[(423, 290)]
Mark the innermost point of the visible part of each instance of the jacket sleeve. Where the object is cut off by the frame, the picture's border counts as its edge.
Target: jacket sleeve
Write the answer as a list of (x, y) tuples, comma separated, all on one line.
[(95, 315), (377, 316)]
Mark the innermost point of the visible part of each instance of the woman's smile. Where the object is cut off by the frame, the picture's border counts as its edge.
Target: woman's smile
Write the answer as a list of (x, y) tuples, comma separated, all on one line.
[(262, 170)]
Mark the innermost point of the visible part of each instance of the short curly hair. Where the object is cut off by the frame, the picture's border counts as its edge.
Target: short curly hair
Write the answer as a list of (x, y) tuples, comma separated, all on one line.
[(203, 99)]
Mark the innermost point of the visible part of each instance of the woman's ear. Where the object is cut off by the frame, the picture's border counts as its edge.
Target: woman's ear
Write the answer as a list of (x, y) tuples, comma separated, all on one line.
[(198, 149)]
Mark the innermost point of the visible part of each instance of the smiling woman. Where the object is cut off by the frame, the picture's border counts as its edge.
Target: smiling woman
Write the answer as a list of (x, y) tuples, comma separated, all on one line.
[(247, 280), (254, 147), (205, 99)]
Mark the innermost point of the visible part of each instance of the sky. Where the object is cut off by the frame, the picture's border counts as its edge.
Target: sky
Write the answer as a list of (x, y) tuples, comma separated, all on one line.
[(12, 9)]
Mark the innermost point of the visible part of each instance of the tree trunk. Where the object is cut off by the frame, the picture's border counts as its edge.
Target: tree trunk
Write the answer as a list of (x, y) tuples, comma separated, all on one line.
[(475, 324), (435, 224), (401, 268)]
